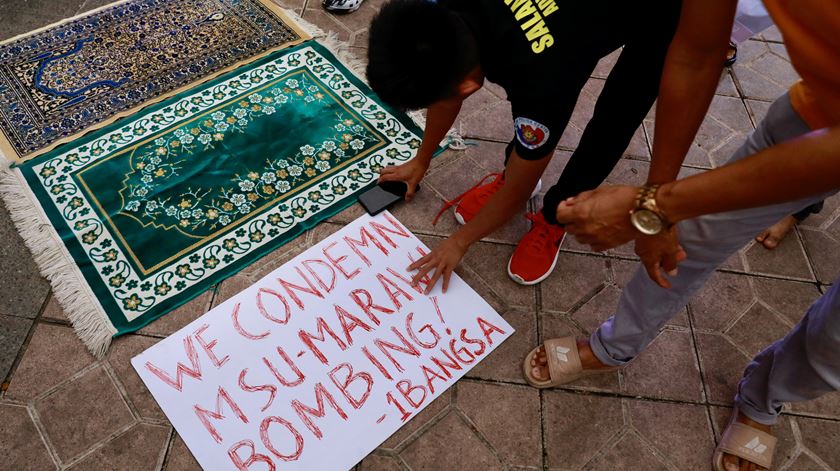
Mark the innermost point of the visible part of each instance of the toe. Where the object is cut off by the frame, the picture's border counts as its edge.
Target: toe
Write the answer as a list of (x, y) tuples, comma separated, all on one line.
[(771, 242), (731, 463)]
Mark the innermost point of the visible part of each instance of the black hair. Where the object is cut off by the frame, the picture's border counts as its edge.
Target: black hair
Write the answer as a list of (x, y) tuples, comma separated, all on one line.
[(418, 54)]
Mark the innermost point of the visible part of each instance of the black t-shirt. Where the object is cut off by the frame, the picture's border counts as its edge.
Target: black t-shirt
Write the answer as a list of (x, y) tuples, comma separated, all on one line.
[(541, 52)]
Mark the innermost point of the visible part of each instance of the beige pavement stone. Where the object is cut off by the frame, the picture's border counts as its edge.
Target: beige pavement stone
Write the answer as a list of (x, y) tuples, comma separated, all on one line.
[(119, 357), (824, 218), (138, 449), (83, 412), (577, 427), (21, 447), (787, 260), (575, 279), (761, 73), (722, 365), (375, 462), (724, 128), (435, 409), (180, 458), (667, 369), (721, 300), (508, 416), (628, 453), (821, 437), (827, 406), (175, 320), (327, 22), (599, 308), (230, 286), (495, 123), (54, 355), (679, 432), (450, 444), (53, 311), (505, 363), (788, 298), (757, 329), (825, 249), (489, 261)]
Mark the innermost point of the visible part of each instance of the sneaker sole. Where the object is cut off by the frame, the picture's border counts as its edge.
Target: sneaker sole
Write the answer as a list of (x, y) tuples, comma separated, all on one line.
[(534, 193), (519, 279)]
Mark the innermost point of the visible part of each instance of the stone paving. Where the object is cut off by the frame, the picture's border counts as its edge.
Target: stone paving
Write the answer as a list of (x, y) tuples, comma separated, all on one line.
[(60, 408)]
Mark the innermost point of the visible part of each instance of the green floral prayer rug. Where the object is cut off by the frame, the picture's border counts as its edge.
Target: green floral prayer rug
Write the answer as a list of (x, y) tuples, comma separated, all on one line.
[(137, 218), (85, 72)]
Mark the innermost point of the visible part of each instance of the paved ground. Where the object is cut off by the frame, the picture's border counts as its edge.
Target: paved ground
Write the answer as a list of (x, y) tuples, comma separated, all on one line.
[(61, 408)]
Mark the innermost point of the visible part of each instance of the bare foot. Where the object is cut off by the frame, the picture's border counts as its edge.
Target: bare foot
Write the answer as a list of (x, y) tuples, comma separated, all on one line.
[(539, 364), (772, 236), (733, 463)]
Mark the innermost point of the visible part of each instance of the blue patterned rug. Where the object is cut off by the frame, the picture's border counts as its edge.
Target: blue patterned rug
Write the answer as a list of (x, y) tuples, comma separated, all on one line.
[(86, 72)]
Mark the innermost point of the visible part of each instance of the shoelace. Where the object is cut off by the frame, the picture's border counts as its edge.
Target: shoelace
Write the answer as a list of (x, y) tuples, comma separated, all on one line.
[(538, 241), (458, 198)]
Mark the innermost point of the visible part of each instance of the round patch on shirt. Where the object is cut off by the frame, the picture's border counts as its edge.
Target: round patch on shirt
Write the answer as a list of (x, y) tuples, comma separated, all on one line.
[(530, 133)]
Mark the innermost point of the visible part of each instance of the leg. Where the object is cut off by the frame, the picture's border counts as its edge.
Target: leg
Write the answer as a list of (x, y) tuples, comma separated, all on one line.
[(709, 240), (773, 235), (628, 95), (801, 366)]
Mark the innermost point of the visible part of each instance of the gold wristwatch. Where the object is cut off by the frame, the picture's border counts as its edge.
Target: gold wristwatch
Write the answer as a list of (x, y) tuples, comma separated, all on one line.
[(646, 215)]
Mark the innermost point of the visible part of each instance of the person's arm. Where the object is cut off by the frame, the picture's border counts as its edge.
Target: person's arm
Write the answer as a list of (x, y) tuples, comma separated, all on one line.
[(439, 119), (794, 169), (689, 79), (521, 177)]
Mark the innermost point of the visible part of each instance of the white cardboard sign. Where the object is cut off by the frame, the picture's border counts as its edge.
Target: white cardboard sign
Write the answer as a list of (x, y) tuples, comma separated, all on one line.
[(322, 360)]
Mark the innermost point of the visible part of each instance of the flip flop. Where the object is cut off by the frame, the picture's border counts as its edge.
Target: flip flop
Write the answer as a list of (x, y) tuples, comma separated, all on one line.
[(729, 61), (341, 6), (745, 442), (563, 364)]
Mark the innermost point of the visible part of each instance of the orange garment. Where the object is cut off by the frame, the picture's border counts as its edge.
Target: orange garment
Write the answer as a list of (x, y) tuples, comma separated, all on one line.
[(811, 30)]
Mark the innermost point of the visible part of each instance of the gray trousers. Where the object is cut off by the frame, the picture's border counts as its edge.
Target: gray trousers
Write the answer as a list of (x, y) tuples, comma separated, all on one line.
[(803, 365)]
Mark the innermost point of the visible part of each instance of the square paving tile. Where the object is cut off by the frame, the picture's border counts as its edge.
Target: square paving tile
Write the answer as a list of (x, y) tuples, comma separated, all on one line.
[(515, 434), (22, 289), (679, 432), (450, 444), (140, 448), (82, 413), (21, 446), (39, 370), (119, 357), (180, 458), (667, 369), (578, 426), (787, 259), (28, 15), (175, 320), (13, 332)]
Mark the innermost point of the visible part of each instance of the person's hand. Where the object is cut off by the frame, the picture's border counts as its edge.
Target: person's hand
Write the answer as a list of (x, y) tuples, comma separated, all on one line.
[(442, 259), (660, 255), (410, 172), (600, 218)]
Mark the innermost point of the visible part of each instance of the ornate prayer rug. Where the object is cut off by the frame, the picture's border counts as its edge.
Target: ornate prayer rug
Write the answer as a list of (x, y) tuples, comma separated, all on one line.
[(133, 220), (85, 72)]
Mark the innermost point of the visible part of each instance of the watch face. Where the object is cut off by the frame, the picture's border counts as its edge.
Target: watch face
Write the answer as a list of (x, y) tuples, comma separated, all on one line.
[(647, 222)]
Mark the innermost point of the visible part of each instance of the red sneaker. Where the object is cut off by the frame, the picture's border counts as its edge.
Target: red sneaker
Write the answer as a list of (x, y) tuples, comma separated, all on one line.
[(536, 255), (470, 202)]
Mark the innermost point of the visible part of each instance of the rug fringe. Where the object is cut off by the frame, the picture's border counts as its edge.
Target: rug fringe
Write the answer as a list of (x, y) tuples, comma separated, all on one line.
[(68, 285), (341, 50)]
